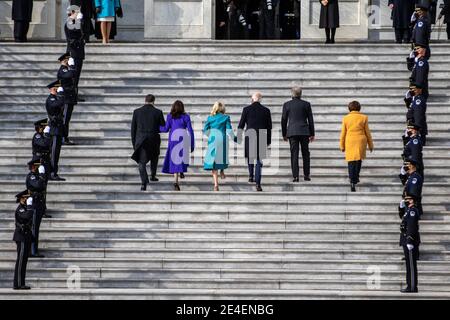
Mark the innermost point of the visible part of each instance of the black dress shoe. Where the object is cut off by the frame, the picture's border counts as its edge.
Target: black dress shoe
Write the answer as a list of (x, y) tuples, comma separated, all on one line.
[(408, 290), (154, 179), (251, 180), (181, 175), (258, 188), (352, 187), (295, 180), (47, 216), (81, 99), (22, 288), (36, 255), (307, 178), (143, 187), (55, 177), (176, 187), (68, 142)]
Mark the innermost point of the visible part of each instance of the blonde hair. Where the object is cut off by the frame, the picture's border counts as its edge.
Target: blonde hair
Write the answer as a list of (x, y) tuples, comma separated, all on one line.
[(218, 107)]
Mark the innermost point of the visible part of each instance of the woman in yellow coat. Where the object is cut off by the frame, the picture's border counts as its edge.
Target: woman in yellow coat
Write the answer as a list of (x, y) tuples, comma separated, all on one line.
[(355, 137)]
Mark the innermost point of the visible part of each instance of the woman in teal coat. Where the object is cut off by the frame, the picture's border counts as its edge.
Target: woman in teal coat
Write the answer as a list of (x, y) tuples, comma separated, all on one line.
[(106, 12), (217, 128)]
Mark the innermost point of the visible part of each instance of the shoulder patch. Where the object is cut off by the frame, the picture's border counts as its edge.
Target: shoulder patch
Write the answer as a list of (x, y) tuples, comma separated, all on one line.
[(38, 136), (420, 24), (21, 210), (33, 178), (65, 70), (412, 213), (414, 181), (420, 63), (52, 99), (415, 141), (418, 101)]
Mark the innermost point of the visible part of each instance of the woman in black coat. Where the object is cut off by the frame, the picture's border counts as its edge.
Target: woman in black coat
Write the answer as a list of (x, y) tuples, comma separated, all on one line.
[(21, 14), (329, 18)]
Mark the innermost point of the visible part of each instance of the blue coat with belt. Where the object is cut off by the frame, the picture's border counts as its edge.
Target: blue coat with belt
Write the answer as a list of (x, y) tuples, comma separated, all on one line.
[(108, 8)]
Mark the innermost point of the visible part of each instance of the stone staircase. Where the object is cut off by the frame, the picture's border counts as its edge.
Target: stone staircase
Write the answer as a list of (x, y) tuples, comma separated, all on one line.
[(292, 241)]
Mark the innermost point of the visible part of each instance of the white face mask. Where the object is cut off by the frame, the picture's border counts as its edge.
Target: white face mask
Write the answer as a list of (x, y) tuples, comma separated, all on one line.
[(73, 24)]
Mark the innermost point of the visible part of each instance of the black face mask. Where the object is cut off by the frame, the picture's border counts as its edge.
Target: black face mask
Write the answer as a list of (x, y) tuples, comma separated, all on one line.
[(407, 203), (409, 133), (406, 168)]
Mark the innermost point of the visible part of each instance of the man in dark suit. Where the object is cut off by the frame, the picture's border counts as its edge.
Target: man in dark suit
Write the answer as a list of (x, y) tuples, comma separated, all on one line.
[(297, 125), (146, 139), (257, 121), (22, 11)]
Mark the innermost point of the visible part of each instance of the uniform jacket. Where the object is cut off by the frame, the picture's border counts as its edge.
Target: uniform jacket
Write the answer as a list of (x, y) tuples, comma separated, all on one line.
[(75, 39), (401, 13), (55, 112), (108, 8), (421, 31), (409, 228), (257, 121), (413, 186), (145, 126), (420, 72), (417, 113), (36, 182), (297, 118), (67, 77), (22, 10), (41, 143), (24, 219), (329, 15), (413, 149), (218, 129), (355, 136)]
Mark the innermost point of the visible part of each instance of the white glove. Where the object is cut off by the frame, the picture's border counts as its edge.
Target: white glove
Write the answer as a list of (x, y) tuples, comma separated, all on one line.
[(242, 20), (60, 89), (413, 17), (410, 246), (408, 94), (79, 16), (406, 133), (402, 204), (71, 61), (47, 130), (402, 172), (412, 55), (30, 201), (41, 170)]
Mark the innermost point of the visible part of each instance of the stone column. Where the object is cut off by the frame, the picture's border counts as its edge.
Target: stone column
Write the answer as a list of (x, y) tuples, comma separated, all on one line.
[(353, 20), (178, 19)]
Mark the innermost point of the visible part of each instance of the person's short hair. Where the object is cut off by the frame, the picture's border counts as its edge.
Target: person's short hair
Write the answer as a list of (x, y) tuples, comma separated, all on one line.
[(177, 109), (296, 92), (354, 106), (150, 98), (257, 96), (218, 107)]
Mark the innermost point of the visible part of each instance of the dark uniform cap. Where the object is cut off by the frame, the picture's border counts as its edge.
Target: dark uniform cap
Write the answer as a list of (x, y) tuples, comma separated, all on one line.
[(412, 125), (413, 85), (54, 84), (21, 194), (41, 123), (419, 46), (64, 56), (411, 161), (410, 197), (423, 5), (35, 161)]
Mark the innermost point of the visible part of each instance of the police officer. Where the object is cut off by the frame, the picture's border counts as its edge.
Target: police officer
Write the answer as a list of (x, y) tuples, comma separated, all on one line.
[(73, 28), (36, 184), (67, 76), (22, 237), (410, 241), (414, 183), (419, 75), (413, 148), (417, 111), (55, 112), (42, 145), (422, 28)]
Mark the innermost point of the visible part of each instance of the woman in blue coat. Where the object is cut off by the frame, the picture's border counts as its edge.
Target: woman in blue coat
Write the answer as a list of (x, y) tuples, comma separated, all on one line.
[(217, 128), (106, 12), (181, 141)]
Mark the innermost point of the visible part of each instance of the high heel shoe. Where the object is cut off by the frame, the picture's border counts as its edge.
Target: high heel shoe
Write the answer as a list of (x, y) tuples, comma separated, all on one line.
[(216, 188), (176, 187)]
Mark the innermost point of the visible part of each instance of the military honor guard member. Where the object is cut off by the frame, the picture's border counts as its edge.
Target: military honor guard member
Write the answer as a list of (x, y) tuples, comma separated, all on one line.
[(422, 28), (297, 126), (36, 184), (67, 76), (146, 138), (419, 75), (256, 119), (414, 183), (266, 19), (55, 112), (401, 13), (410, 241), (22, 11), (22, 237)]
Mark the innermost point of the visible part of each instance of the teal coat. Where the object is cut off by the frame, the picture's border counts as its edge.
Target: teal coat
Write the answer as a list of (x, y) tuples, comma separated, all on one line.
[(108, 7), (217, 128)]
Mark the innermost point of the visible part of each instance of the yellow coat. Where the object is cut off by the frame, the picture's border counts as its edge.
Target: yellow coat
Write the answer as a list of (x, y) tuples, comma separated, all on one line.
[(355, 136)]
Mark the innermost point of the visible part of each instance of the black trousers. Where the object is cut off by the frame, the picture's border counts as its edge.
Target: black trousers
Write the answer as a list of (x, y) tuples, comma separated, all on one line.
[(21, 30), (144, 158), (255, 171), (294, 142), (266, 24), (354, 168), (411, 266), (402, 34), (36, 226), (68, 110), (23, 251), (56, 151), (78, 68), (448, 31)]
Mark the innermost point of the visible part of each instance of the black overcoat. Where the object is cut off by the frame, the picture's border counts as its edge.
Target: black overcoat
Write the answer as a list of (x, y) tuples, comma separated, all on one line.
[(401, 13), (22, 10), (329, 15)]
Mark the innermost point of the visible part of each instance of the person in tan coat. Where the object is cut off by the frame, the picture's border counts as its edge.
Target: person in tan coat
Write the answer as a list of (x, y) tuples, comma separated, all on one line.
[(355, 137)]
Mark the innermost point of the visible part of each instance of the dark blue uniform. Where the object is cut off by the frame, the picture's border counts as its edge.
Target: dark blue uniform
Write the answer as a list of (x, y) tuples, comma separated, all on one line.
[(23, 238), (413, 187), (68, 77), (55, 112), (409, 234), (36, 184), (42, 148), (417, 114), (413, 150), (421, 33), (419, 75)]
